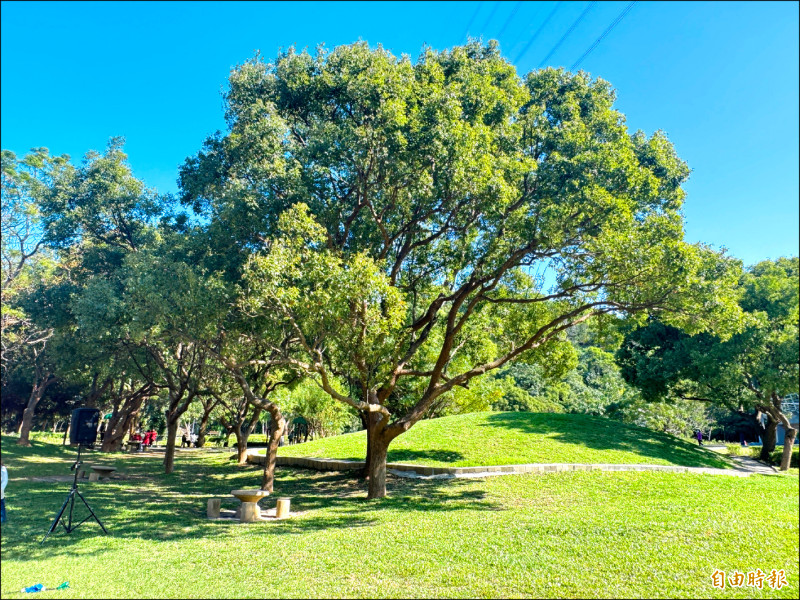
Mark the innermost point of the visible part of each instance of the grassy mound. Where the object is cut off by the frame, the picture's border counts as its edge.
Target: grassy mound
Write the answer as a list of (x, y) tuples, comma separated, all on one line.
[(481, 439)]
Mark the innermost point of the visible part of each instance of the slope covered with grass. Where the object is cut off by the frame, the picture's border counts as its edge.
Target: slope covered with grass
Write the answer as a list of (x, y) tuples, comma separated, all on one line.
[(487, 438)]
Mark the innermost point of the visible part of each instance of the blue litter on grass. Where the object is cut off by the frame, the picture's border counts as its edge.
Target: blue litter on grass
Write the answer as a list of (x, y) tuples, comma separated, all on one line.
[(38, 587)]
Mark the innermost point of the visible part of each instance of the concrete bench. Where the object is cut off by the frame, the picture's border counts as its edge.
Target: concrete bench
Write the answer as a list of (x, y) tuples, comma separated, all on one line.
[(100, 472)]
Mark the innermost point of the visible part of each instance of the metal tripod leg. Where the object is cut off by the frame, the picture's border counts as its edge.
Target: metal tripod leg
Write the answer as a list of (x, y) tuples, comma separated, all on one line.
[(69, 527), (70, 496), (91, 512)]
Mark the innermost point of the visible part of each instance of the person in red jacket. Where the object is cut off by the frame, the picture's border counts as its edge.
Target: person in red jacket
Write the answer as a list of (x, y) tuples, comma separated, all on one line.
[(150, 438)]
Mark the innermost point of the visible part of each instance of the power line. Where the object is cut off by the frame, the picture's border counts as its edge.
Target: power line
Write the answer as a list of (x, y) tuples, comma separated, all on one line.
[(538, 31), (522, 32), (614, 23), (510, 18), (491, 16), (566, 35), (472, 20)]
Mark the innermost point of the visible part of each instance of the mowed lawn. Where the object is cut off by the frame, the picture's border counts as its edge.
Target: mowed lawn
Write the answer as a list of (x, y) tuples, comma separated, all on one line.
[(574, 534), (490, 438)]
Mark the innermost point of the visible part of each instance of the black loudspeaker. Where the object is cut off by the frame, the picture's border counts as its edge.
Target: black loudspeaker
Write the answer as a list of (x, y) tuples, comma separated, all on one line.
[(83, 427)]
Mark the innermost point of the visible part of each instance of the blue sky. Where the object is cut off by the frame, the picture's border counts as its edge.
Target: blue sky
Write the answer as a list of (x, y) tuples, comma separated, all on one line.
[(720, 78)]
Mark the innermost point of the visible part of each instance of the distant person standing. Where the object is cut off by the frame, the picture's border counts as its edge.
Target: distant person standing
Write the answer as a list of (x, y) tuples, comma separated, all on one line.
[(137, 437), (3, 482), (699, 437)]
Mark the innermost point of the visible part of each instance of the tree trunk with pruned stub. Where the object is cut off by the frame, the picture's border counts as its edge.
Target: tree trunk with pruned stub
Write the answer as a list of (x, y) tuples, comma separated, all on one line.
[(40, 386), (271, 458)]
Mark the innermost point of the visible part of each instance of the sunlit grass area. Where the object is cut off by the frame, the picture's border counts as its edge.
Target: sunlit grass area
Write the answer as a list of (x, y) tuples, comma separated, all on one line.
[(554, 535), (490, 438)]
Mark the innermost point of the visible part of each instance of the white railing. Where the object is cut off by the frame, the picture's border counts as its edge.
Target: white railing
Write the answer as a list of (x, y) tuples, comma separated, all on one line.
[(791, 405)]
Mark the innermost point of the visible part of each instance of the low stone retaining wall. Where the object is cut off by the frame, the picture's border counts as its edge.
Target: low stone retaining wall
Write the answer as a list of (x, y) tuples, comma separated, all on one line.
[(421, 471)]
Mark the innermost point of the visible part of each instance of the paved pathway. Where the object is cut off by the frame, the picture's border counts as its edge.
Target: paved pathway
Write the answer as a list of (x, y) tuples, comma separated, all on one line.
[(752, 465)]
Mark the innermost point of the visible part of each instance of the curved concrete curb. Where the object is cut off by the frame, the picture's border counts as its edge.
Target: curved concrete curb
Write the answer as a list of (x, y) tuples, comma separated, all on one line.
[(423, 472)]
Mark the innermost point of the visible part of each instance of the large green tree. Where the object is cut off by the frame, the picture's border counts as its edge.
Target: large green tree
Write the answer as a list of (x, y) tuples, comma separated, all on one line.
[(136, 297), (94, 217), (26, 265), (445, 217), (753, 369)]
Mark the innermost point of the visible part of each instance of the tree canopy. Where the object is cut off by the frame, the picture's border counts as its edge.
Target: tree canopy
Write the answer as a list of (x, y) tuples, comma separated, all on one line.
[(754, 368), (392, 232), (418, 224)]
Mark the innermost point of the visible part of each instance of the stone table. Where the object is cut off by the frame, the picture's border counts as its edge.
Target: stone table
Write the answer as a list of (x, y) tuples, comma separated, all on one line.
[(249, 511), (99, 471)]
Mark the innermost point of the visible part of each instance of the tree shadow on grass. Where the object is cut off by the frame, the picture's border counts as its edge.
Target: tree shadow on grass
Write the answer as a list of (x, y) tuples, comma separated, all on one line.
[(406, 455), (152, 506), (600, 433)]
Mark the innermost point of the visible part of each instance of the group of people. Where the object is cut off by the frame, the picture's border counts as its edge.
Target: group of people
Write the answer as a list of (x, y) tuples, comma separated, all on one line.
[(188, 440), (146, 440), (298, 433)]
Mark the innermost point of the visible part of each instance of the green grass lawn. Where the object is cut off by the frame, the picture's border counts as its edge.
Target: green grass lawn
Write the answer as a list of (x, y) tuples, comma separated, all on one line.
[(487, 438), (578, 534)]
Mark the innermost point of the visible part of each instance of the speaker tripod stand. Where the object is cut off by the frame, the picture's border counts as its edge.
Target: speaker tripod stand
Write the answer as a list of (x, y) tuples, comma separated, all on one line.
[(70, 501)]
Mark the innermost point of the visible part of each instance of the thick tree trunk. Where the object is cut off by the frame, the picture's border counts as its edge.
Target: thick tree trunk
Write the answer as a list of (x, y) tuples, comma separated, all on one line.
[(241, 444), (768, 440), (177, 408), (367, 423), (788, 442), (120, 424), (116, 429), (169, 455), (128, 402), (268, 478), (201, 433), (37, 392), (378, 449)]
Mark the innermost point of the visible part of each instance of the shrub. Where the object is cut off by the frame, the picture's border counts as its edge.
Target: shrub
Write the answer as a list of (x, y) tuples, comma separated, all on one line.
[(775, 456), (736, 449)]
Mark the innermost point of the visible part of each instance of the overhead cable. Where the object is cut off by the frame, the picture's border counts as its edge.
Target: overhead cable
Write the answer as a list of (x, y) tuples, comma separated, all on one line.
[(538, 31), (566, 35), (614, 23), (510, 18), (472, 20), (491, 16)]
